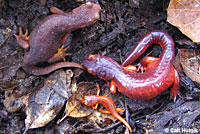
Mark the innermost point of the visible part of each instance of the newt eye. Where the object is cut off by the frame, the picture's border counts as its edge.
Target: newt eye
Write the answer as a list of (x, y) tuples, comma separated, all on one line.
[(101, 73)]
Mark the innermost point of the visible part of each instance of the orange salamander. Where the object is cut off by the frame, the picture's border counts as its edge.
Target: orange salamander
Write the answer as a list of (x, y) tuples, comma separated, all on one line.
[(46, 37), (158, 76), (92, 100)]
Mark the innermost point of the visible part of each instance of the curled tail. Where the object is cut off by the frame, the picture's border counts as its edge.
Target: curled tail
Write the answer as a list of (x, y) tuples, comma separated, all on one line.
[(116, 115), (154, 37), (45, 70)]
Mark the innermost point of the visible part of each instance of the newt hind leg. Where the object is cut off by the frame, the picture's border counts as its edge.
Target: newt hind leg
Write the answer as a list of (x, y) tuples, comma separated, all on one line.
[(61, 52), (176, 86), (22, 39), (144, 63), (108, 112)]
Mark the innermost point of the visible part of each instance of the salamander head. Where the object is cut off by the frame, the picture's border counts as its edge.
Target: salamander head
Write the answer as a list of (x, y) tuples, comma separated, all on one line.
[(102, 66), (88, 13), (89, 100)]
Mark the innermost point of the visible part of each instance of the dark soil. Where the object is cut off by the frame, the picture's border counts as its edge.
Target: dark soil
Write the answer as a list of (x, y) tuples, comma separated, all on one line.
[(120, 27)]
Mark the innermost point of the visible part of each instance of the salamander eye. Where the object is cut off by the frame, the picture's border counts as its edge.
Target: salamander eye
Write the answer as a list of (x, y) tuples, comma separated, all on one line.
[(96, 61), (101, 73)]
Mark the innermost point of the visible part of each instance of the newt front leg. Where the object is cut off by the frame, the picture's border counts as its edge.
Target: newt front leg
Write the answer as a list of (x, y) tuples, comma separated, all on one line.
[(22, 39)]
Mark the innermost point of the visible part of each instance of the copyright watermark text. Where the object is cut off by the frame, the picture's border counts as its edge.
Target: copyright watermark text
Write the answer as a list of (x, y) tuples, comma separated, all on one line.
[(181, 130)]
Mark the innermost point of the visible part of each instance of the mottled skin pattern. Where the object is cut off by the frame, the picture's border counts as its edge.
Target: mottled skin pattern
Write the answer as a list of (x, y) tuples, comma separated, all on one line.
[(45, 38), (159, 75)]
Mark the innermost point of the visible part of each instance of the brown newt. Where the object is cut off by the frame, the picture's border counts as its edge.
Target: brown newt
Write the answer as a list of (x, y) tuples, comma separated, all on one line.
[(44, 40)]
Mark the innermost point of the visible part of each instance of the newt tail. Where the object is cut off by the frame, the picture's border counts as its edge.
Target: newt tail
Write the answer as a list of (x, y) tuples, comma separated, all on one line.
[(46, 70)]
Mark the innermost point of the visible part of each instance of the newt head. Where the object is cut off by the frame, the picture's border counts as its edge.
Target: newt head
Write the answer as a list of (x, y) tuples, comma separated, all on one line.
[(89, 100), (102, 66), (88, 13)]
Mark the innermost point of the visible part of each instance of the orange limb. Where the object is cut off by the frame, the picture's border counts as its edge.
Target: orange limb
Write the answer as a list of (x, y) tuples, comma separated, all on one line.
[(108, 112), (175, 88), (113, 87), (120, 110), (131, 68), (142, 65), (59, 55), (22, 39), (56, 10), (148, 59), (61, 52), (98, 92)]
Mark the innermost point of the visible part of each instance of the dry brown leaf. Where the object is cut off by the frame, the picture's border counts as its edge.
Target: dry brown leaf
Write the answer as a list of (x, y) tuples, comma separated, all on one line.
[(185, 14), (16, 96), (12, 103), (103, 119), (48, 99), (190, 61), (74, 108)]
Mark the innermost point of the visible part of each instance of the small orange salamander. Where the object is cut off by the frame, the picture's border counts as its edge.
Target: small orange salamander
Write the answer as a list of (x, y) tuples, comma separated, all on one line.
[(91, 100)]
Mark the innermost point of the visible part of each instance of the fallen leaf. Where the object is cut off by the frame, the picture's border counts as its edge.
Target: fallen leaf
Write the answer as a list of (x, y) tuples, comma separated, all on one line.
[(185, 15), (16, 95), (12, 103), (48, 99), (103, 119), (190, 61), (74, 108)]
